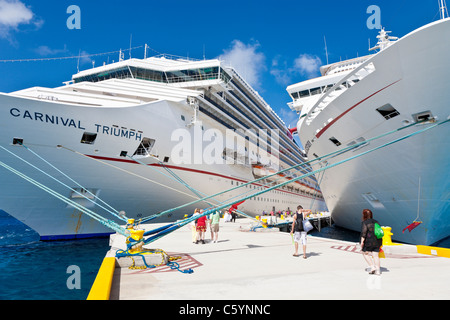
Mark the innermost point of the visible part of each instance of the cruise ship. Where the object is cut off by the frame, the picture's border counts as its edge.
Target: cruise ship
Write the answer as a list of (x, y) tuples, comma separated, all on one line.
[(137, 137), (364, 103)]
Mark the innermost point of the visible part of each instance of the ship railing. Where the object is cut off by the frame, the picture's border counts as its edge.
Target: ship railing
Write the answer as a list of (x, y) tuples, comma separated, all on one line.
[(175, 57), (339, 88), (255, 94), (190, 78)]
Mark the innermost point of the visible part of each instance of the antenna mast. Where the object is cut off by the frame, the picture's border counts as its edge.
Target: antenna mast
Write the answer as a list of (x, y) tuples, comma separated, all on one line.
[(78, 62), (442, 9), (131, 37)]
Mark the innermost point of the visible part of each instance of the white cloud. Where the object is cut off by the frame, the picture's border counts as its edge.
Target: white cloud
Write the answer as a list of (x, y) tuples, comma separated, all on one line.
[(280, 71), (307, 65), (84, 57), (14, 13), (47, 51), (289, 117), (245, 59)]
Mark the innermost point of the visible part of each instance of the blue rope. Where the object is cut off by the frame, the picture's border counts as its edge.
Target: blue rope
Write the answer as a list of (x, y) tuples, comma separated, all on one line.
[(172, 176), (123, 254), (106, 222), (208, 211), (304, 164), (62, 183), (173, 227), (172, 264)]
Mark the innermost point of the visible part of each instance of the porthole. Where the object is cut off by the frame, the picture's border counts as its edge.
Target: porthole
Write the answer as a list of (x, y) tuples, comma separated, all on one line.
[(335, 141), (88, 138), (388, 111)]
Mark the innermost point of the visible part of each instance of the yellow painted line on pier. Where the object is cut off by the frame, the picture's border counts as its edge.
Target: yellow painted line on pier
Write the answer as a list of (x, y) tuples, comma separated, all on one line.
[(434, 251), (101, 288)]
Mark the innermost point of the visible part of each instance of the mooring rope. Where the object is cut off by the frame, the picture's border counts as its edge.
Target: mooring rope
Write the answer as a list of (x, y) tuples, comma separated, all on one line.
[(111, 224), (208, 211), (307, 163), (203, 199), (127, 172), (106, 222), (172, 176), (178, 179), (115, 213)]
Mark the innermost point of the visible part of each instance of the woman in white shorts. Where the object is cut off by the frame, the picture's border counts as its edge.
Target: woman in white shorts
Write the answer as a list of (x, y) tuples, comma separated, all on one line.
[(299, 233)]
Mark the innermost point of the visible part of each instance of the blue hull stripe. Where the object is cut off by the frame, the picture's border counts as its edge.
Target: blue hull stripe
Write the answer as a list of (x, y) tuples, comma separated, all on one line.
[(75, 236)]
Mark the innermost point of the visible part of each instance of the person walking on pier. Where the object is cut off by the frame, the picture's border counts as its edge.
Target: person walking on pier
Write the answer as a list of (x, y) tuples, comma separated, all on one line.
[(299, 233), (214, 227), (194, 226), (201, 228), (370, 244)]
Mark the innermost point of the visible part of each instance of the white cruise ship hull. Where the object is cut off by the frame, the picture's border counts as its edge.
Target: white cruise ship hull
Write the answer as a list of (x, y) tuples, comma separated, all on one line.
[(51, 129), (411, 75)]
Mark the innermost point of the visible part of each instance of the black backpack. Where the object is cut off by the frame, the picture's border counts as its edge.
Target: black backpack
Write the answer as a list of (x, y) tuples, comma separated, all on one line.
[(299, 223)]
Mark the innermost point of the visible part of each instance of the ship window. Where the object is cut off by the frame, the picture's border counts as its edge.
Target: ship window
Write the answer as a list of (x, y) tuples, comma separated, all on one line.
[(183, 118), (88, 138), (315, 91), (304, 93), (144, 147), (119, 73), (146, 74), (224, 75), (17, 141), (166, 159), (211, 73), (335, 141), (294, 95), (388, 111), (123, 153)]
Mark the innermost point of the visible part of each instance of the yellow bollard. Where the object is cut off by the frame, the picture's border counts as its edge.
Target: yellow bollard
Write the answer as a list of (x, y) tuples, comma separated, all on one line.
[(264, 221), (282, 217), (257, 217), (130, 224), (387, 241), (137, 235)]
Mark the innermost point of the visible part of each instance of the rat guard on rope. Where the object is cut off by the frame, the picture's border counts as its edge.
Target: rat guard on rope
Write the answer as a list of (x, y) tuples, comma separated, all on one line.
[(412, 226), (235, 206), (416, 222)]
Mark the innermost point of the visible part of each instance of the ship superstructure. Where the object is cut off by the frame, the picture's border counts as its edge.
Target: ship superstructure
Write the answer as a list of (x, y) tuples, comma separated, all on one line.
[(395, 93), (130, 131)]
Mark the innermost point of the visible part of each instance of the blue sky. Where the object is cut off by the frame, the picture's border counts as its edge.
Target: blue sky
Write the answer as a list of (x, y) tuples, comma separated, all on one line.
[(272, 43)]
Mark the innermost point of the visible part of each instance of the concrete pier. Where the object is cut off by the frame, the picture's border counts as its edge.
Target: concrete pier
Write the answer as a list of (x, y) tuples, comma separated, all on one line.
[(260, 265)]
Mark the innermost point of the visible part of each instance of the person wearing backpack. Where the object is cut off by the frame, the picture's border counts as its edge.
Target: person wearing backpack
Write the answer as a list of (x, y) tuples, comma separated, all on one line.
[(299, 232), (370, 243)]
